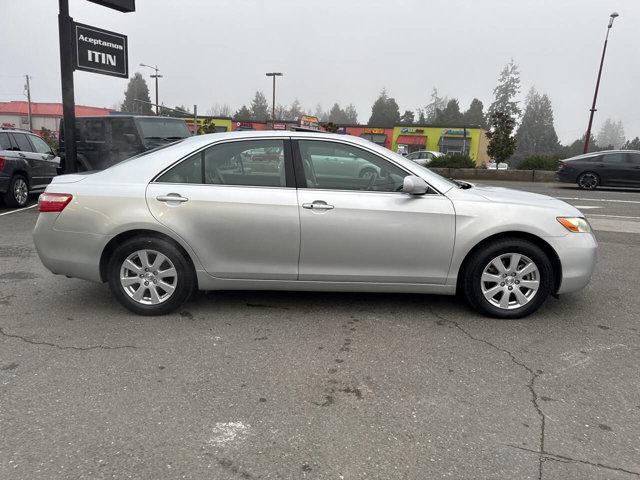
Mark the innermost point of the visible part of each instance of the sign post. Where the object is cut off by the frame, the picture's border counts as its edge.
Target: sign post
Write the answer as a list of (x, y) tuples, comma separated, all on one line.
[(99, 51)]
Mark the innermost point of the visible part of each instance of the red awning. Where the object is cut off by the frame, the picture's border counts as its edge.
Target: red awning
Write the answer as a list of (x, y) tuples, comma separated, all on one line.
[(412, 140)]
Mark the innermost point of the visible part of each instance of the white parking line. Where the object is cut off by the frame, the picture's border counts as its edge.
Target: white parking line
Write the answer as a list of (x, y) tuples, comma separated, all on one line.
[(598, 200), (612, 216), (586, 207), (16, 211)]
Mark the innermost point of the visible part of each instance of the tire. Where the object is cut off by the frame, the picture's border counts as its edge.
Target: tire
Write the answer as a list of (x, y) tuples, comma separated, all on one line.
[(18, 193), (588, 181), (127, 264), (486, 296)]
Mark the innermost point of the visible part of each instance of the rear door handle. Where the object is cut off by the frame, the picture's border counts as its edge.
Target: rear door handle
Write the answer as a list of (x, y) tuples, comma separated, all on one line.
[(172, 197), (317, 206)]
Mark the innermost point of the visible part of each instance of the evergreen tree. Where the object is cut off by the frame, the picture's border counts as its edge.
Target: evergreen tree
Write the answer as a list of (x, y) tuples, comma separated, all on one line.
[(632, 144), (449, 115), (536, 134), (502, 143), (320, 114), (243, 113), (421, 117), (259, 107), (385, 111), (611, 134), (337, 115), (506, 91), (407, 118), (431, 109), (295, 111), (137, 89), (474, 116), (351, 114), (577, 147)]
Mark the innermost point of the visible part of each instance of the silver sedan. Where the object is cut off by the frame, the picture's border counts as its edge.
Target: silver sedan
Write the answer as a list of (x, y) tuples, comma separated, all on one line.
[(292, 211)]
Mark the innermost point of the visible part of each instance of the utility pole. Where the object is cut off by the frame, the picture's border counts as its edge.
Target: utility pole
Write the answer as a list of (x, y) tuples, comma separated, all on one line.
[(28, 89), (595, 95), (273, 99), (156, 76)]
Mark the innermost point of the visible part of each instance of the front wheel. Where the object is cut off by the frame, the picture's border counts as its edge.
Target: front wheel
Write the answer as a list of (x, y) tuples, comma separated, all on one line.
[(509, 278), (588, 181), (150, 276)]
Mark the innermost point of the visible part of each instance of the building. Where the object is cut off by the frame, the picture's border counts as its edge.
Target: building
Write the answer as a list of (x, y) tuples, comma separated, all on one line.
[(378, 135), (43, 115)]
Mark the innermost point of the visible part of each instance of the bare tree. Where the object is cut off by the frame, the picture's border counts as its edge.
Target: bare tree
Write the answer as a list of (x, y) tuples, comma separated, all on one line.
[(220, 110)]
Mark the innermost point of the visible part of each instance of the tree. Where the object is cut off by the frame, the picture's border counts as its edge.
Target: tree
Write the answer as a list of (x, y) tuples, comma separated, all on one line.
[(421, 118), (351, 114), (337, 115), (449, 115), (320, 114), (611, 134), (259, 107), (407, 118), (632, 144), (295, 111), (385, 111), (474, 116), (243, 113), (536, 134), (431, 109), (219, 110), (502, 144), (506, 91), (577, 147), (281, 112), (137, 89)]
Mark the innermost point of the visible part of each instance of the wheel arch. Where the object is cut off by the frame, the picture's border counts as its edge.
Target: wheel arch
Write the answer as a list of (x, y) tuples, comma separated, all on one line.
[(536, 240), (110, 247)]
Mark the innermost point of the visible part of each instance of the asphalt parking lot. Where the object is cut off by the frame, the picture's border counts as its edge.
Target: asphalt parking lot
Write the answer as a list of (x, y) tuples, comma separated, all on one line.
[(277, 385)]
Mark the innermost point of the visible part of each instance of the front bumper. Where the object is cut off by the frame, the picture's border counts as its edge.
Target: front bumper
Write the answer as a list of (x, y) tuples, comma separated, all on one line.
[(577, 253)]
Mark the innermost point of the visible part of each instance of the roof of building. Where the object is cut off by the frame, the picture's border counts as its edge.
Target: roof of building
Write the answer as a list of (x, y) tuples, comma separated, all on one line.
[(48, 109)]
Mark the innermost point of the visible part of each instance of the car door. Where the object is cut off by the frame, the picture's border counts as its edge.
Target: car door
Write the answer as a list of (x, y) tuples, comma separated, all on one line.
[(366, 229), (241, 223), (25, 152), (633, 162), (613, 168), (45, 158)]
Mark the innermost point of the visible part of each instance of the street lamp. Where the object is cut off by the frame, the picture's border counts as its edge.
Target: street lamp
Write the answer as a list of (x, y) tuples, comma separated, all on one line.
[(156, 76), (595, 95), (273, 104)]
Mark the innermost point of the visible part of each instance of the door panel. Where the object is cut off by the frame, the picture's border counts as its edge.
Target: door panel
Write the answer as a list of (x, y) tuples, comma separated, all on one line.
[(633, 175), (375, 237), (37, 171)]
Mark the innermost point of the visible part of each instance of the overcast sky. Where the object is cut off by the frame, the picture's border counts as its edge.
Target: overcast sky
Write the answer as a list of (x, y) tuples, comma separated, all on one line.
[(345, 51)]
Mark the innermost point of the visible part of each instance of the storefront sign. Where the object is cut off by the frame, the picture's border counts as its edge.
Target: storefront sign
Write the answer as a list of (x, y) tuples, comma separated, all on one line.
[(100, 51), (312, 123), (453, 131), (374, 130), (279, 126), (412, 130)]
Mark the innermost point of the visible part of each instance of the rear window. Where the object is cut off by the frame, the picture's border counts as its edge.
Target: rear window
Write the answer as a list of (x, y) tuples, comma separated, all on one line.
[(163, 128), (5, 143)]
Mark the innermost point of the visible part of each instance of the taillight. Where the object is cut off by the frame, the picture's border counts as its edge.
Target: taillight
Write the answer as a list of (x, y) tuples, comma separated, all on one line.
[(561, 165), (2, 160), (53, 202)]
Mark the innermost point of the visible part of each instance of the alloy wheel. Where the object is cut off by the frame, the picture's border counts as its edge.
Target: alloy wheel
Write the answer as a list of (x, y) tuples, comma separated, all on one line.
[(588, 181), (148, 277), (20, 191), (510, 281)]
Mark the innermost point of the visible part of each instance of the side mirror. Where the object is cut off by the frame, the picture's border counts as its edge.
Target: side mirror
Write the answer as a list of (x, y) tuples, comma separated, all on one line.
[(414, 185)]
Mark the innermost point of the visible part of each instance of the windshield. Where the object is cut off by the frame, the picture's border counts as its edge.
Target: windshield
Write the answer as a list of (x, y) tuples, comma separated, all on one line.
[(163, 128)]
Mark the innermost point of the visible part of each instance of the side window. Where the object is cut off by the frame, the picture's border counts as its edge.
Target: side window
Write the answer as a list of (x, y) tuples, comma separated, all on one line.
[(258, 163), (634, 158), (23, 142), (40, 145), (187, 171), (123, 130), (5, 142), (336, 166), (94, 130), (613, 158)]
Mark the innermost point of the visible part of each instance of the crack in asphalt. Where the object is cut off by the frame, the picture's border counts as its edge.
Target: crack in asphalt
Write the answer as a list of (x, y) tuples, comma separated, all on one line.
[(563, 458), (530, 385), (63, 347)]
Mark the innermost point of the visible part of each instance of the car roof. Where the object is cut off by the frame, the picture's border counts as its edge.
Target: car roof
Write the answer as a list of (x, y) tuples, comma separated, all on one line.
[(17, 130), (601, 152)]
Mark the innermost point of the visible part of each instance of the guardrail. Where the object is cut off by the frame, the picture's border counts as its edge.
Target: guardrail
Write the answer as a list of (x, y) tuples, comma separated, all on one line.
[(479, 174)]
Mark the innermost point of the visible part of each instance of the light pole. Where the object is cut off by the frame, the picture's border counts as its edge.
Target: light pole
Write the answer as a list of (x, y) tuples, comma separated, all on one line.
[(273, 100), (595, 95), (156, 76)]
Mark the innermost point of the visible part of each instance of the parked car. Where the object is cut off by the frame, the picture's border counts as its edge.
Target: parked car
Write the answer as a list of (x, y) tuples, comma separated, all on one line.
[(107, 140), (27, 164), (186, 217), (424, 157), (611, 168)]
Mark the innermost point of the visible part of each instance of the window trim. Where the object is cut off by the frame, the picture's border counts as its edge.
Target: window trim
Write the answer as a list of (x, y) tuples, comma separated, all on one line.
[(301, 181), (288, 166)]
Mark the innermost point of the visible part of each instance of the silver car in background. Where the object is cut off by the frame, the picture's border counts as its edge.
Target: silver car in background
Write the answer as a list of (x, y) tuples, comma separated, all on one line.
[(292, 211)]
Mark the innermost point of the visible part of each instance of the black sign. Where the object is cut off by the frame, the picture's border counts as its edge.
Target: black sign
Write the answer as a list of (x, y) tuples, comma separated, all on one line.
[(125, 6), (101, 51)]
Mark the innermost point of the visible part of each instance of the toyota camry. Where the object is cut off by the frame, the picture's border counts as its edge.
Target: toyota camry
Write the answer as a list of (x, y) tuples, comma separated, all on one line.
[(293, 211)]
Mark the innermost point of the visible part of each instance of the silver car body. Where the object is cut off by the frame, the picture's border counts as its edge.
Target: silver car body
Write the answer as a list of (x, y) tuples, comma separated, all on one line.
[(241, 237)]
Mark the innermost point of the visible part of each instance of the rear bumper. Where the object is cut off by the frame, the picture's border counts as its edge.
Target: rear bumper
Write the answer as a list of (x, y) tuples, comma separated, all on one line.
[(566, 176), (68, 253), (577, 253), (4, 183)]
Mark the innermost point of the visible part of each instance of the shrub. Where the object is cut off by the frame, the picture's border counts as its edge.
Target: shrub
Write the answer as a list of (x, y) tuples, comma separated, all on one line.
[(454, 160), (539, 162)]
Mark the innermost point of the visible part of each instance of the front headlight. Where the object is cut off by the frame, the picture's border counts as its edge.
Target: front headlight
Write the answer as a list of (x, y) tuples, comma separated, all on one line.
[(575, 224)]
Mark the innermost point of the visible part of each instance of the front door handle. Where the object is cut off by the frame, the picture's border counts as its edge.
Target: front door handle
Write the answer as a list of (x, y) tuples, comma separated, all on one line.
[(317, 205), (172, 197)]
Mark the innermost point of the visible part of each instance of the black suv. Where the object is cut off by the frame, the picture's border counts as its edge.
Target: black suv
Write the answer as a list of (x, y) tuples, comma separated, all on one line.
[(104, 141), (611, 168), (27, 164)]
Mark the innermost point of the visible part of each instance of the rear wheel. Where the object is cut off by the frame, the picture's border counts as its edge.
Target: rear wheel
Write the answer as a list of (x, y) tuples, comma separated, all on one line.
[(588, 181), (150, 276), (18, 193), (508, 278)]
